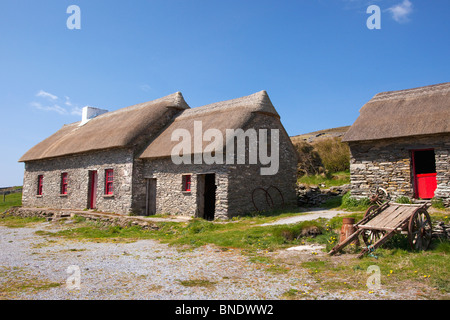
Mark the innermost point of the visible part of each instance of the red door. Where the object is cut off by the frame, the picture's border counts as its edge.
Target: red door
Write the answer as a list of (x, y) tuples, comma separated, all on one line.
[(92, 189), (426, 185), (424, 170)]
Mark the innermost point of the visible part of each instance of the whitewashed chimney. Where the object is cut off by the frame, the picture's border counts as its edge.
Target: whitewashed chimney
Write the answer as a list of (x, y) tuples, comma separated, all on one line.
[(89, 113)]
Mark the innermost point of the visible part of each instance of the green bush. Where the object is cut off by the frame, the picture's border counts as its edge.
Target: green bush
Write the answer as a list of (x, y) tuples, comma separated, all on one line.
[(309, 162), (403, 199), (335, 155), (352, 203)]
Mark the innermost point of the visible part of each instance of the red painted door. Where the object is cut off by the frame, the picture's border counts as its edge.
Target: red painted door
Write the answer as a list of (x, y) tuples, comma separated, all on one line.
[(424, 169), (426, 185), (93, 189)]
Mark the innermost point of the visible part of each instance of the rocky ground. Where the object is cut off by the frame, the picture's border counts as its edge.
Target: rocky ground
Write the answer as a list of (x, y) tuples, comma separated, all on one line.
[(40, 268)]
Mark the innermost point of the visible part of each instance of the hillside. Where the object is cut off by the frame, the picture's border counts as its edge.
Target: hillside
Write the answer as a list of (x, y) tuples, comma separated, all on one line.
[(320, 135)]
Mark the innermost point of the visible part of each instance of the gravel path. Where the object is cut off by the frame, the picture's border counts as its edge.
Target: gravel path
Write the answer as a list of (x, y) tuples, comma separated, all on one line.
[(313, 214), (145, 269)]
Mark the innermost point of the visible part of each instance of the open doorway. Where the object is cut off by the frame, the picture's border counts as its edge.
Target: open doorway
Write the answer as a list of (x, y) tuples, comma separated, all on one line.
[(150, 197), (206, 196), (424, 173), (92, 190)]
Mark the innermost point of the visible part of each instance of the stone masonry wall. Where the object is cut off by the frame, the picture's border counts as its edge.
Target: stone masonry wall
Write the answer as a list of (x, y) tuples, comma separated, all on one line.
[(387, 164), (78, 167), (235, 182), (246, 183), (170, 198)]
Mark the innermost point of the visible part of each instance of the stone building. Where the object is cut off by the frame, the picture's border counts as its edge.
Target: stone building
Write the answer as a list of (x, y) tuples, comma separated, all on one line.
[(164, 157), (401, 142)]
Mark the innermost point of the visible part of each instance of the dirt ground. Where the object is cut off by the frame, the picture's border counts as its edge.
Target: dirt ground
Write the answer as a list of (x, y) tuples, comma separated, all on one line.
[(42, 268)]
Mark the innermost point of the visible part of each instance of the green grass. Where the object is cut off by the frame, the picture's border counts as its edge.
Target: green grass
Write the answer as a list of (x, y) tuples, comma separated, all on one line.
[(330, 180), (398, 266), (197, 283), (244, 234), (18, 222), (354, 204), (11, 200)]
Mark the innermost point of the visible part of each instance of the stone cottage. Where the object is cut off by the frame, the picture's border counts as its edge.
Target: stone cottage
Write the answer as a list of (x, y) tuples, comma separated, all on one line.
[(215, 161), (401, 142)]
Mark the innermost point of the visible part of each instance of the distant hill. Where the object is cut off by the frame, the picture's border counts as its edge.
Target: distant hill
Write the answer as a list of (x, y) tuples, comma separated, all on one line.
[(319, 135)]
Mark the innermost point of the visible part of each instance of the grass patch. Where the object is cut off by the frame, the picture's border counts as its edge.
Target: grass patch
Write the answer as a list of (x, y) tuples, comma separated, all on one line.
[(18, 222), (197, 283), (355, 204), (397, 266), (11, 200), (244, 234), (15, 280), (328, 180)]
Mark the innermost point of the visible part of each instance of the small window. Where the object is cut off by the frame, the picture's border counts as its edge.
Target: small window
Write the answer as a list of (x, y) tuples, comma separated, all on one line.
[(64, 183), (186, 180), (109, 181), (40, 185)]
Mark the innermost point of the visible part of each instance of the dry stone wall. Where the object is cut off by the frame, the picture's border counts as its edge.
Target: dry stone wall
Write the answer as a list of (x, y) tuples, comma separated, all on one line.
[(387, 164)]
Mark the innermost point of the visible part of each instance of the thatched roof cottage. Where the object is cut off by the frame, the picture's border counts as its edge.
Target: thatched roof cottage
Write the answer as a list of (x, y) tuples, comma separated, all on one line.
[(401, 141), (164, 157)]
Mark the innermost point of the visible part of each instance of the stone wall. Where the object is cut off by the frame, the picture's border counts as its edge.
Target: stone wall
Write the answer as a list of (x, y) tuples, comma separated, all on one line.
[(246, 183), (387, 164), (235, 183), (170, 197), (78, 167)]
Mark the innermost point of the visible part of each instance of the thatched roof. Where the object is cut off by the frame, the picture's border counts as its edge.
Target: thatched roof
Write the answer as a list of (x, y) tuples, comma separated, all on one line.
[(114, 129), (412, 112), (230, 114)]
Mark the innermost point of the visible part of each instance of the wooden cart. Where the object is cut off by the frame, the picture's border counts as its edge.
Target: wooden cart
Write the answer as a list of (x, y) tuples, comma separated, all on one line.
[(385, 219)]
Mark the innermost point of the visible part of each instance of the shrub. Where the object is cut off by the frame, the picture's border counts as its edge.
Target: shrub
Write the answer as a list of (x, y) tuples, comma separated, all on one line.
[(403, 199), (352, 203), (309, 162), (335, 155)]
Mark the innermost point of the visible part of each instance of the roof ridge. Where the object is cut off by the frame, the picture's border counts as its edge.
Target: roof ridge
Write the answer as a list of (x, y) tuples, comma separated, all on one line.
[(413, 92), (175, 97), (260, 101)]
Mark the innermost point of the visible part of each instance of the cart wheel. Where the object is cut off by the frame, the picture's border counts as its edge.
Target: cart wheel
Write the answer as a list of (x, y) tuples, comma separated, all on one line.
[(419, 230), (371, 236)]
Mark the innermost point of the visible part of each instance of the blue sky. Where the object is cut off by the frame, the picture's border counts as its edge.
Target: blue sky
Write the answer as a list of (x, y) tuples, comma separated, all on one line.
[(317, 59)]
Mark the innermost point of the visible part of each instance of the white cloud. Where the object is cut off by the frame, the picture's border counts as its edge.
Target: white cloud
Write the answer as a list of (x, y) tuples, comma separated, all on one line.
[(67, 102), (76, 111), (401, 11), (54, 108), (52, 103), (47, 95), (145, 87)]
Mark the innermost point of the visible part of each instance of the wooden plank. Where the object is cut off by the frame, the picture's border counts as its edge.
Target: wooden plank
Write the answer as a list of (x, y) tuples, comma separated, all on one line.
[(366, 227), (374, 213), (403, 216), (392, 217), (384, 215)]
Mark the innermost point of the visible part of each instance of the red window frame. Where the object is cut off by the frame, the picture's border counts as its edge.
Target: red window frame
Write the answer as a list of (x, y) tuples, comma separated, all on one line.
[(64, 183), (109, 181), (40, 184), (186, 180)]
